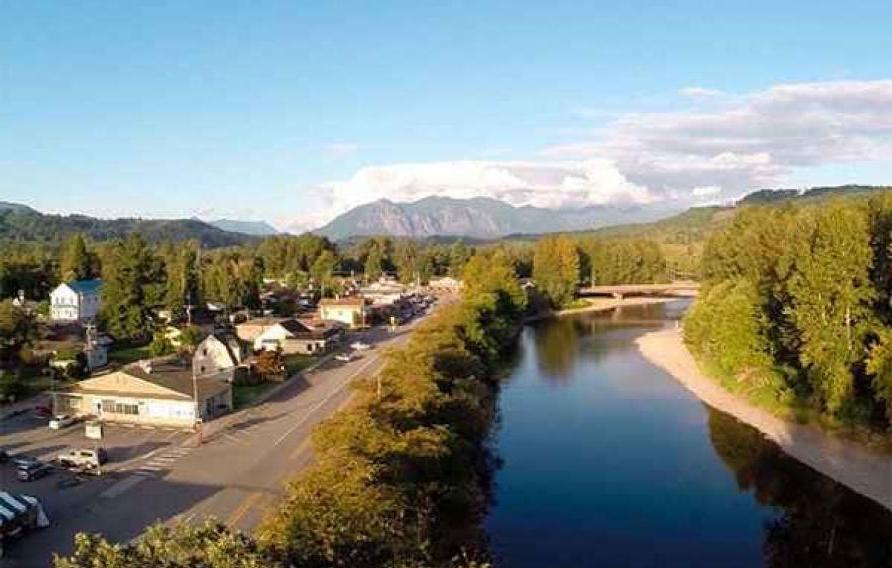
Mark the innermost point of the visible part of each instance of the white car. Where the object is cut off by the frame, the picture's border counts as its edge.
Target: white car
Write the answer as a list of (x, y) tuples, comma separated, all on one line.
[(360, 346), (345, 357), (61, 421)]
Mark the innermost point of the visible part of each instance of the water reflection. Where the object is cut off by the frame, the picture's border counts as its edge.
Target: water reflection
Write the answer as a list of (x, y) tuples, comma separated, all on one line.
[(621, 466), (821, 522)]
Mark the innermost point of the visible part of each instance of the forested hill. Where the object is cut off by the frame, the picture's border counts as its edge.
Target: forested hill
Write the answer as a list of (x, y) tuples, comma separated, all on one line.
[(21, 223), (681, 237)]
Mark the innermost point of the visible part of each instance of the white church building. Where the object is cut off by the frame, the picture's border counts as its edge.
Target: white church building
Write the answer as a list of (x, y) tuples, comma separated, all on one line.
[(76, 301)]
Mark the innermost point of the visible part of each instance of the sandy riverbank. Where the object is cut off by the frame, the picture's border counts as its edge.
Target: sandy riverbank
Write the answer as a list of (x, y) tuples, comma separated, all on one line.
[(601, 305), (859, 468)]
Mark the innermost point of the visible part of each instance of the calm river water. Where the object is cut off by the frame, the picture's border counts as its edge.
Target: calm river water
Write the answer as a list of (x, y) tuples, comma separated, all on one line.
[(608, 461)]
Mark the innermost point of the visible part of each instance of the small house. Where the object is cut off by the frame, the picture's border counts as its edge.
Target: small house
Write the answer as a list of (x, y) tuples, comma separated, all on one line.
[(351, 311), (296, 336), (217, 353)]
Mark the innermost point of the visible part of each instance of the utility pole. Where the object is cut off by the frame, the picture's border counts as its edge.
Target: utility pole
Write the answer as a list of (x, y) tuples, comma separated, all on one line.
[(196, 422)]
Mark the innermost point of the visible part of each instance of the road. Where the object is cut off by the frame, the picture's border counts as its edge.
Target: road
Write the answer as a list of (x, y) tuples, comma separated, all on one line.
[(234, 475)]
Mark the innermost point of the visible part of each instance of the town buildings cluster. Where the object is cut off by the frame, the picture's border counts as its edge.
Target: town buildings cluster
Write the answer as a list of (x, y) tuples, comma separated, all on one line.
[(191, 386)]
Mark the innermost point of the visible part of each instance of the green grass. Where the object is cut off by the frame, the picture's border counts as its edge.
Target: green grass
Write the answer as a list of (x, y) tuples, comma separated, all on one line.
[(244, 395), (128, 354), (296, 363)]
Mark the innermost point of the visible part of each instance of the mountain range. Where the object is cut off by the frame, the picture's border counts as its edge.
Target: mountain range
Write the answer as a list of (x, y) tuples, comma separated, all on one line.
[(479, 218), (429, 218), (256, 228), (22, 223)]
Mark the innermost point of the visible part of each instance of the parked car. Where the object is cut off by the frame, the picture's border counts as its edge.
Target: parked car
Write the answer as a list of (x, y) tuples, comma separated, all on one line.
[(83, 458), (345, 357), (21, 460), (32, 471), (360, 346), (61, 421), (41, 411)]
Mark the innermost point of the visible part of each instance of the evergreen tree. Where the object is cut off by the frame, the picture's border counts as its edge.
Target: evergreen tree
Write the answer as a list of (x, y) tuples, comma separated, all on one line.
[(125, 275), (75, 263)]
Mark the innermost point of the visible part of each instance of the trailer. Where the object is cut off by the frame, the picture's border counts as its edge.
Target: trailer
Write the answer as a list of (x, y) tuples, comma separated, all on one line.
[(18, 515)]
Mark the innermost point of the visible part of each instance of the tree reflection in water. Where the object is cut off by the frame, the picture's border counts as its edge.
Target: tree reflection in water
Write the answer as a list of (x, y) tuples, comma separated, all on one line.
[(820, 522), (557, 343)]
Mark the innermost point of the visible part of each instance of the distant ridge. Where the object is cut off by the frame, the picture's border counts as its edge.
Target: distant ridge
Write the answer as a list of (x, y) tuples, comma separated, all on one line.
[(478, 218), (256, 228), (22, 223)]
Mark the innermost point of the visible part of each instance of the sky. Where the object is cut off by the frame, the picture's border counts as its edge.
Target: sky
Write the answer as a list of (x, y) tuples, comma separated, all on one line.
[(293, 112)]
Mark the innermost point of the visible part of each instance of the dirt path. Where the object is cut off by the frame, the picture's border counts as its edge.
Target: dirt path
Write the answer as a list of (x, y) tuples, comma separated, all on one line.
[(859, 468)]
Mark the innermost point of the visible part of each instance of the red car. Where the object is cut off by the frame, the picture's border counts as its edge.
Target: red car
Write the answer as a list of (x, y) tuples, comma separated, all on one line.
[(41, 411)]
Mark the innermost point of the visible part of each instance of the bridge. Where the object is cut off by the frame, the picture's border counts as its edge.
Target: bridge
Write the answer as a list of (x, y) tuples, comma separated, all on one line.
[(677, 288)]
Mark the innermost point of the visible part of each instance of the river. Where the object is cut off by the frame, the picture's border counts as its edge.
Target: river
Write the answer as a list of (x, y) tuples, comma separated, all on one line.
[(608, 461)]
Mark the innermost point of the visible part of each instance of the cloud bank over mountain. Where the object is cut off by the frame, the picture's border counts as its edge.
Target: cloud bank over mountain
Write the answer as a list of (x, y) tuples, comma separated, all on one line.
[(719, 147)]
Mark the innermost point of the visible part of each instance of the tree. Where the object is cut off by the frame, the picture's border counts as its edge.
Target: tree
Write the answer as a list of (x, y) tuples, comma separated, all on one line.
[(126, 271), (211, 545), (831, 296), (182, 283), (407, 261), (556, 268), (190, 337), (270, 364), (17, 330), (76, 262), (160, 345), (323, 268)]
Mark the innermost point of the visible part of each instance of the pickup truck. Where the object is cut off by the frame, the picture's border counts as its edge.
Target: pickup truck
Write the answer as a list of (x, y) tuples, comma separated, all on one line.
[(83, 458)]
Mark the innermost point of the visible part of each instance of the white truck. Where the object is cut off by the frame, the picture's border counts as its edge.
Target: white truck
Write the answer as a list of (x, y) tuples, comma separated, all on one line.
[(86, 459), (18, 515)]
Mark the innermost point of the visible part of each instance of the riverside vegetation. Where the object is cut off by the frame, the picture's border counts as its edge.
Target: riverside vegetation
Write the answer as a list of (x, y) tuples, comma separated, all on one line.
[(401, 477), (795, 310)]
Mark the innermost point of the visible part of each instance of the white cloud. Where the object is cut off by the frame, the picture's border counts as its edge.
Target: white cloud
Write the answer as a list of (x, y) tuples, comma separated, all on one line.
[(706, 191), (725, 146), (699, 92), (540, 184), (341, 149), (758, 140)]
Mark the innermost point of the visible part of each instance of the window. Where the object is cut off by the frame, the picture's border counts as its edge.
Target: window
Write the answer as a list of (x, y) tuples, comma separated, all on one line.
[(115, 407)]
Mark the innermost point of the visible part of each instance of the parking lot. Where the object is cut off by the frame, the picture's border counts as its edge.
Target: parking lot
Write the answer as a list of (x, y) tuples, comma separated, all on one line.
[(132, 451)]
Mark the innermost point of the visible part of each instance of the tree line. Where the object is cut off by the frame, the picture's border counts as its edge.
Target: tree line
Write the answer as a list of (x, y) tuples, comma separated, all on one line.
[(401, 478), (795, 308)]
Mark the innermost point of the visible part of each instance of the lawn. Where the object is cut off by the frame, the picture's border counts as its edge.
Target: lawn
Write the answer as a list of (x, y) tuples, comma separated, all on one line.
[(244, 395), (296, 363), (129, 354)]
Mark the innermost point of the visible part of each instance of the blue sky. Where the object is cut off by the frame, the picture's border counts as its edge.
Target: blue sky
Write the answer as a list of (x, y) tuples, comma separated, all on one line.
[(291, 111)]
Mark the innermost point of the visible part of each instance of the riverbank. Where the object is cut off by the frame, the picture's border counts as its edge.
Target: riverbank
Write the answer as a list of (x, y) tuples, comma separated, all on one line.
[(861, 469), (600, 305)]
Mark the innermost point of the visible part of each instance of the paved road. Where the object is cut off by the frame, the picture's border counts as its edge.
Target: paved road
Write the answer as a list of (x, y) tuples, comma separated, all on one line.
[(234, 475)]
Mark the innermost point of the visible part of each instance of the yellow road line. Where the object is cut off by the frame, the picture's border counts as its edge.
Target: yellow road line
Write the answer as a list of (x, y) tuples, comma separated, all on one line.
[(243, 508), (300, 448)]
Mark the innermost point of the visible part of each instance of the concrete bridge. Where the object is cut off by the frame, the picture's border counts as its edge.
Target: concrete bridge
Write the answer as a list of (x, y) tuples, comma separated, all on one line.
[(677, 288)]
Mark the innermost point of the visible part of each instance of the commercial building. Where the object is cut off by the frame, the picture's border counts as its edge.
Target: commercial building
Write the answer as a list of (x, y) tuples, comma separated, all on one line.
[(160, 393)]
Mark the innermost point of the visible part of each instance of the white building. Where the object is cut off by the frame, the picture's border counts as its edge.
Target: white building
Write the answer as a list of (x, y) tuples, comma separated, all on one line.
[(76, 301), (158, 394), (295, 336), (218, 353)]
